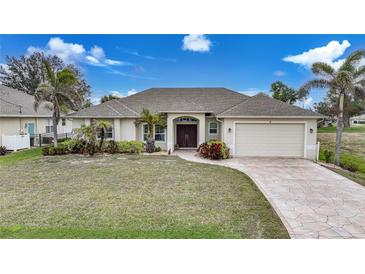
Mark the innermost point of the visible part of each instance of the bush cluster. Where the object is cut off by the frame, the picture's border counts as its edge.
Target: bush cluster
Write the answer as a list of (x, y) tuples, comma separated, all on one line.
[(3, 150), (214, 150), (349, 165), (346, 162), (78, 146)]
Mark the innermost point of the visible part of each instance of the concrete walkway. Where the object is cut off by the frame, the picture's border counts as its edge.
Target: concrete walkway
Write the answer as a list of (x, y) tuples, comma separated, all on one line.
[(312, 201)]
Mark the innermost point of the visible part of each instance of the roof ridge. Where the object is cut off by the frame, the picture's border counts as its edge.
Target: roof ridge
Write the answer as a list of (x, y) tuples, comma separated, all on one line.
[(113, 109), (244, 99), (118, 100), (233, 107)]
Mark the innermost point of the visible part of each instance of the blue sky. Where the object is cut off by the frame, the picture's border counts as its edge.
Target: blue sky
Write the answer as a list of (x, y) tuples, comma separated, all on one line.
[(124, 64)]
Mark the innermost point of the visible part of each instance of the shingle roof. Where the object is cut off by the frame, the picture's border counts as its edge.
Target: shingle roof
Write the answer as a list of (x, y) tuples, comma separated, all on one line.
[(266, 106), (109, 109), (213, 100), (219, 101), (17, 103)]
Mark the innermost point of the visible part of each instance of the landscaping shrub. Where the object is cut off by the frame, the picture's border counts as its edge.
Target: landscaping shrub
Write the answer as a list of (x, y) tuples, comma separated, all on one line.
[(328, 156), (214, 150), (349, 165), (134, 147), (111, 147), (157, 149), (3, 150), (74, 146), (51, 150)]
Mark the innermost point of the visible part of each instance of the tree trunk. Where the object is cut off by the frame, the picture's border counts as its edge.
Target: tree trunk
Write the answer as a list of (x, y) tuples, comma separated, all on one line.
[(54, 121), (346, 120), (339, 129), (150, 144)]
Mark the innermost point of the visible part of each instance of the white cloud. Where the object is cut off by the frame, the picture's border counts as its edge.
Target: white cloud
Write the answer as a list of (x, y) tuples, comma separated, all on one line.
[(114, 62), (72, 53), (279, 73), (196, 42), (97, 52), (116, 93), (132, 91), (328, 54), (68, 52), (251, 91)]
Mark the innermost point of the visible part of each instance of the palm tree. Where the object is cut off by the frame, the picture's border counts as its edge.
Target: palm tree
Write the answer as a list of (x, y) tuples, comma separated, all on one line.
[(347, 80), (103, 126), (58, 90), (151, 120)]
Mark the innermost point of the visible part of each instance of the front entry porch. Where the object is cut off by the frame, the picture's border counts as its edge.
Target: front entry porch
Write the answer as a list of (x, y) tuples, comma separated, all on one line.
[(185, 130), (186, 136)]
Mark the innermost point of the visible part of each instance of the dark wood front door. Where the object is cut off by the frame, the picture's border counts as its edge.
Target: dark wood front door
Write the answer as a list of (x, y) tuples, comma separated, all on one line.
[(186, 135)]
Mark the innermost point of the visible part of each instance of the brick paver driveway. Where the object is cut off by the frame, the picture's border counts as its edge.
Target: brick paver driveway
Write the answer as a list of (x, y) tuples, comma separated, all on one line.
[(312, 201)]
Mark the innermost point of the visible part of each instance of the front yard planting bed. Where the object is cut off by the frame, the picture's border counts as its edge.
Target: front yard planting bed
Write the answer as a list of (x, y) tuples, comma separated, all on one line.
[(352, 150), (131, 196)]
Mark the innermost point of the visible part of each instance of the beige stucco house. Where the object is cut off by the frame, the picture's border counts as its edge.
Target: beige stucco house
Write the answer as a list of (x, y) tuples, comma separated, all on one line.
[(17, 116), (250, 126)]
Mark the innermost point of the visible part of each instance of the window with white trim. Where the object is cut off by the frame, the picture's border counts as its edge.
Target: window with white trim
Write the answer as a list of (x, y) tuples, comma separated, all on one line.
[(160, 133), (145, 132), (213, 128), (108, 133), (63, 121)]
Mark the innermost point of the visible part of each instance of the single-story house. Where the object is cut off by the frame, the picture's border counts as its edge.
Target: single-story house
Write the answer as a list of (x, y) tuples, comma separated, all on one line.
[(17, 116), (250, 126), (357, 120)]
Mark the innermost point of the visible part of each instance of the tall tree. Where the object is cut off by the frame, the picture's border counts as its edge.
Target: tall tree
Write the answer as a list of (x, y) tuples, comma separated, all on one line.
[(103, 127), (106, 98), (27, 72), (58, 90), (151, 120), (282, 92), (347, 80)]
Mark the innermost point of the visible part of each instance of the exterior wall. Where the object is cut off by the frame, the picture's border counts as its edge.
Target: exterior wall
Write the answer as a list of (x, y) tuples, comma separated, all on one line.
[(171, 127), (77, 123), (9, 126), (128, 130), (310, 138), (13, 126), (212, 136)]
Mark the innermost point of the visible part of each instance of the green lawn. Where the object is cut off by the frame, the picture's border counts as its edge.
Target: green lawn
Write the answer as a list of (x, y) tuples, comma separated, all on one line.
[(15, 157), (352, 149), (126, 196), (333, 129)]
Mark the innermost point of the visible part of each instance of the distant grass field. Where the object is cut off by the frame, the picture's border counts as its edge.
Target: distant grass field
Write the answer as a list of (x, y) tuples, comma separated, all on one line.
[(352, 149), (333, 129)]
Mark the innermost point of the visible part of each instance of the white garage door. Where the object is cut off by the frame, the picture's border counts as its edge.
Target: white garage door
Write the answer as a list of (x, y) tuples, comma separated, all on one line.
[(286, 140)]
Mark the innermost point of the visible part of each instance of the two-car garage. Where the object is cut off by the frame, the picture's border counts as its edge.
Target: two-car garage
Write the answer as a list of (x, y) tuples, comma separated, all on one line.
[(269, 139)]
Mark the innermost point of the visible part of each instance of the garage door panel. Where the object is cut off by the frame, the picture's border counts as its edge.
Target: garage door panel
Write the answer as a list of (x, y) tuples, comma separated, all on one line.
[(269, 140)]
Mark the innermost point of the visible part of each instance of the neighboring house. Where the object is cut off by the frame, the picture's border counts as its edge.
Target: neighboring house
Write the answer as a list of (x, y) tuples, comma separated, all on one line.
[(17, 116), (250, 126), (357, 120)]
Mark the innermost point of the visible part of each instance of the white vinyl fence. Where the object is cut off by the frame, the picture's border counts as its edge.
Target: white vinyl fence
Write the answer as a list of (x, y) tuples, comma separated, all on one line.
[(15, 142)]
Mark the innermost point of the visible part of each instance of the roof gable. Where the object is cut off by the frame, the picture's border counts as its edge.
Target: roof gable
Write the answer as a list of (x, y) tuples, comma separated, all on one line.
[(17, 103), (264, 105)]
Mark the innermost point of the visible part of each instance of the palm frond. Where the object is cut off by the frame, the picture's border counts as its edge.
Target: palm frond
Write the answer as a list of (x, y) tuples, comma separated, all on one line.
[(313, 84), (66, 77), (352, 60), (359, 72), (49, 72), (323, 69)]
